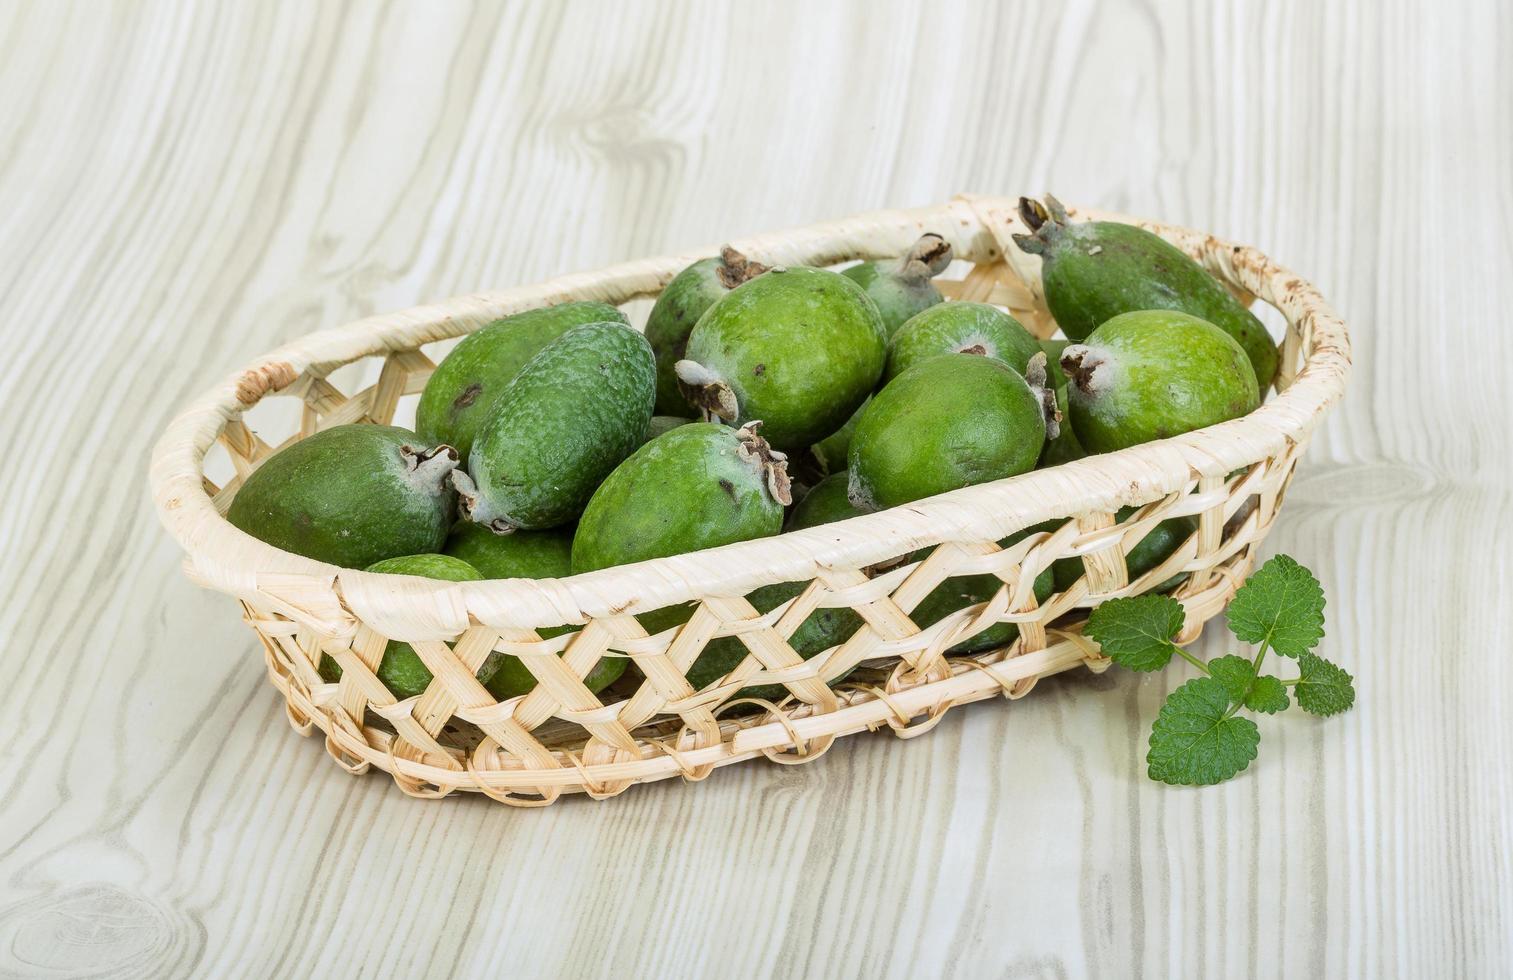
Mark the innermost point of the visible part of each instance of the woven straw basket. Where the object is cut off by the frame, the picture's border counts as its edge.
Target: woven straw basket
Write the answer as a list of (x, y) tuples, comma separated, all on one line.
[(560, 738)]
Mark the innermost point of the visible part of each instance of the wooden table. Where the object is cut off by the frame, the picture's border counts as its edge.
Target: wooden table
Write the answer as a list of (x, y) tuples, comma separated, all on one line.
[(183, 186)]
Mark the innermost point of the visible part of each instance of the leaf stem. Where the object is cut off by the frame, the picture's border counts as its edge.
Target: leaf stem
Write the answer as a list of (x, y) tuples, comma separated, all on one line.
[(1201, 665)]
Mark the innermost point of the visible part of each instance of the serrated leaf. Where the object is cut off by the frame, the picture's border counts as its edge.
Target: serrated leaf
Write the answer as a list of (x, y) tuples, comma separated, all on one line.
[(1267, 695), (1323, 688), (1192, 742), (1136, 632), (1235, 673), (1282, 603)]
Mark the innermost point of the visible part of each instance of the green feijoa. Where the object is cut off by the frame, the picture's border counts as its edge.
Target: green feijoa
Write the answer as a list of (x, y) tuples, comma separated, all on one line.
[(663, 423), (572, 414), (350, 495), (468, 381), (400, 668), (797, 349), (1151, 375), (1063, 447), (682, 302), (1153, 549), (1094, 271), (901, 287), (960, 328), (825, 502), (969, 590), (698, 486), (524, 554), (946, 423), (830, 452)]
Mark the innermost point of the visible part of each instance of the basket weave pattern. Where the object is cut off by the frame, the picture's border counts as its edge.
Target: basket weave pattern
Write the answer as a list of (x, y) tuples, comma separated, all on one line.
[(562, 738)]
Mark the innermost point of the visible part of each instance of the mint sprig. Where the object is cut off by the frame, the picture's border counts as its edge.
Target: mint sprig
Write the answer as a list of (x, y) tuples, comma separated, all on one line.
[(1198, 737)]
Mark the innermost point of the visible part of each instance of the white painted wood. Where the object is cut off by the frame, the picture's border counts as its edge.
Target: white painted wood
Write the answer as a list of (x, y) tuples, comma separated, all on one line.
[(183, 186)]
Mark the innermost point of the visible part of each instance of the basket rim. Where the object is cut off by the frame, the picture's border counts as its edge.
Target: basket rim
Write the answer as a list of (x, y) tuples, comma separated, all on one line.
[(225, 558)]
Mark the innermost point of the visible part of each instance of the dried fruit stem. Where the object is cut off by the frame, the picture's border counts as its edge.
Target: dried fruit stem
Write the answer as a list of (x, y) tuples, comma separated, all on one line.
[(1036, 377), (1080, 363), (772, 464), (706, 391), (428, 468), (475, 508), (735, 268), (927, 258)]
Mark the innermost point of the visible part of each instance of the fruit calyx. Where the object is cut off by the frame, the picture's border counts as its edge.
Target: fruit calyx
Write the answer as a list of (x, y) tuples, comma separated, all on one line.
[(475, 508), (771, 464), (1035, 377), (428, 468), (735, 268), (1045, 221), (926, 258), (706, 391), (1080, 364)]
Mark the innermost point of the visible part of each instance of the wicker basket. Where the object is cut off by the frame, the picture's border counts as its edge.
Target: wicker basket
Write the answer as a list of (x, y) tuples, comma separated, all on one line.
[(560, 738)]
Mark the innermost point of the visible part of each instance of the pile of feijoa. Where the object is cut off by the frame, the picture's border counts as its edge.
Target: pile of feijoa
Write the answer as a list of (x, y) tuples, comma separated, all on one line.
[(758, 400)]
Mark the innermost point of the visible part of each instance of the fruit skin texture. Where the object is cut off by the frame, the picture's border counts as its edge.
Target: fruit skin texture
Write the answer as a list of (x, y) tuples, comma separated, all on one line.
[(470, 379), (961, 328), (1151, 375), (401, 669), (682, 302), (350, 495), (1153, 549), (825, 502), (798, 349), (524, 554), (699, 486), (572, 414), (1094, 271), (830, 452), (823, 629), (901, 287), (663, 423), (946, 423)]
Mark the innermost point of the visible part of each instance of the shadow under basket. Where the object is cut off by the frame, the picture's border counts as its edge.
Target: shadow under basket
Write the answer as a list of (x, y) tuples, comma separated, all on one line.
[(561, 738)]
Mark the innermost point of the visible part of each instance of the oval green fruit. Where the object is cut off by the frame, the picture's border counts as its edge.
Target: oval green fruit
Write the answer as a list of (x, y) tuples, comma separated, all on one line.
[(698, 486), (350, 495), (524, 554), (797, 349), (468, 381), (901, 287), (401, 669), (1093, 271), (948, 422), (1151, 375), (572, 414), (826, 501), (961, 328), (1153, 549), (679, 307)]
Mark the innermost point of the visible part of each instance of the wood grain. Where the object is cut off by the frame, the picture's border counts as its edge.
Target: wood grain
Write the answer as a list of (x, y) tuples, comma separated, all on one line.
[(185, 185)]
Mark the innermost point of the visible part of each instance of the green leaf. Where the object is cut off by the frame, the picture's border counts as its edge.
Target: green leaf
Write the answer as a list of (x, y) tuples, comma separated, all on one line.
[(1193, 743), (1282, 603), (1267, 695), (1235, 673), (1137, 632), (1323, 688)]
